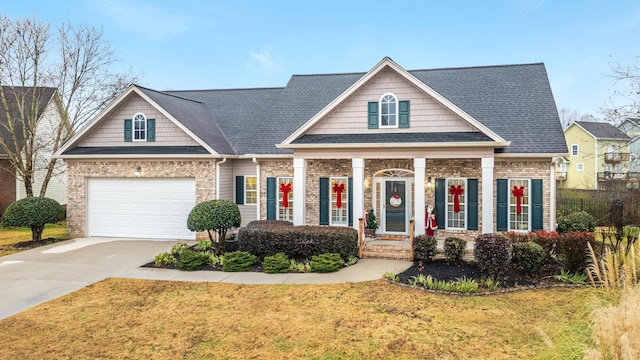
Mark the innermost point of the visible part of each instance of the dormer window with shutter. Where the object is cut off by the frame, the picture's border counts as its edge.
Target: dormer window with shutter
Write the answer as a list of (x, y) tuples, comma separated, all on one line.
[(388, 112), (139, 129)]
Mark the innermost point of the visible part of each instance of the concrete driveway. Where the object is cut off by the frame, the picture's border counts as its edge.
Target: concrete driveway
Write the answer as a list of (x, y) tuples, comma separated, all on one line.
[(35, 276)]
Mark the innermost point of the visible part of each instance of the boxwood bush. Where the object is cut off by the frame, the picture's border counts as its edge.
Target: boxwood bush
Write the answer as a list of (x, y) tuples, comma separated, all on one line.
[(297, 242), (33, 212), (424, 248), (493, 253), (454, 249), (189, 260), (577, 221)]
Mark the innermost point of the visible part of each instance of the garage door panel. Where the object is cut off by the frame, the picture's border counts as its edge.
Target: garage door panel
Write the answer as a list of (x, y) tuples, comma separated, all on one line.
[(140, 208)]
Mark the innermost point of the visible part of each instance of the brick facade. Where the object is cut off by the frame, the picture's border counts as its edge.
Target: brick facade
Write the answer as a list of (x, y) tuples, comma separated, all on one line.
[(435, 168), (79, 171), (7, 185)]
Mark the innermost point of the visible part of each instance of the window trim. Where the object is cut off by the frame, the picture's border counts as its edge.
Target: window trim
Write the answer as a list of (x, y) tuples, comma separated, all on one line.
[(345, 200), (576, 148), (580, 167), (279, 197), (396, 113), (463, 204), (246, 190), (510, 204), (133, 127)]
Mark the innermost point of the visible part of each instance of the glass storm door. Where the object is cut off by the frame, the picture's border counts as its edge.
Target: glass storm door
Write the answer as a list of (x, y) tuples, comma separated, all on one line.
[(395, 206)]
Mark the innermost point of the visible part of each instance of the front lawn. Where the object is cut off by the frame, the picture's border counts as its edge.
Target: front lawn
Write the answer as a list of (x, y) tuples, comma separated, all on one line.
[(13, 240), (141, 319)]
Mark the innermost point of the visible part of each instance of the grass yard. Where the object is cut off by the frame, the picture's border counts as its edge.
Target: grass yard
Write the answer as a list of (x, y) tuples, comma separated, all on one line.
[(10, 237), (141, 319)]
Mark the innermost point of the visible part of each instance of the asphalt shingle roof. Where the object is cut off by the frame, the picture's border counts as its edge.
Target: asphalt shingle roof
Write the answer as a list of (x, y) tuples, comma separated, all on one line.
[(514, 101), (603, 130)]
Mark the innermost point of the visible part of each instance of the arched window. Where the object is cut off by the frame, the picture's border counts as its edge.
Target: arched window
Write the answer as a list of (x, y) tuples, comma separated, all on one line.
[(388, 111), (139, 127)]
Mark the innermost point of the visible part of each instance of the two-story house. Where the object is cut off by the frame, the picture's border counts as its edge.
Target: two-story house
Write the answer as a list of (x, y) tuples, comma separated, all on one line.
[(47, 106), (598, 156), (478, 143), (631, 127)]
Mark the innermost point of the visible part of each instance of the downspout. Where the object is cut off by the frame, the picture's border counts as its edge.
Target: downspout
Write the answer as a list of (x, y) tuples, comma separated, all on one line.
[(224, 160), (255, 161), (552, 195)]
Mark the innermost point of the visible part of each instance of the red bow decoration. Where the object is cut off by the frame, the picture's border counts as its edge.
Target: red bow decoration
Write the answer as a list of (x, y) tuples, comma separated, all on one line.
[(518, 193), (285, 188), (456, 191), (338, 189)]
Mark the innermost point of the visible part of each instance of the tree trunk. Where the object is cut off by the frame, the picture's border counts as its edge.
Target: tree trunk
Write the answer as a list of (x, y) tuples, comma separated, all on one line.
[(28, 184), (47, 177), (36, 232)]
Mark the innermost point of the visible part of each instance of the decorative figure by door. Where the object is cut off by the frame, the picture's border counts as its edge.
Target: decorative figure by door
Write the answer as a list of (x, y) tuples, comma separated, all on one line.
[(431, 224)]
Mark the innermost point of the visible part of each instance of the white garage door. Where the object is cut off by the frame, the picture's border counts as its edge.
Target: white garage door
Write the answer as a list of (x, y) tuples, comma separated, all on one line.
[(140, 208)]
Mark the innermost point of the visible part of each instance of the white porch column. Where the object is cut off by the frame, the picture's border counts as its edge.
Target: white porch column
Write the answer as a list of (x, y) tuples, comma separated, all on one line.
[(487, 195), (299, 191), (419, 165), (358, 190)]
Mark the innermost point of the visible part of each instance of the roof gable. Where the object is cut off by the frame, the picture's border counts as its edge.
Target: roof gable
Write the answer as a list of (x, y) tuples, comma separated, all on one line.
[(601, 131), (387, 66)]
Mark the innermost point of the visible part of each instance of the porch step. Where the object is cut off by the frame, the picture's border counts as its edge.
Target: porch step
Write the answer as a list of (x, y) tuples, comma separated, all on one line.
[(387, 249)]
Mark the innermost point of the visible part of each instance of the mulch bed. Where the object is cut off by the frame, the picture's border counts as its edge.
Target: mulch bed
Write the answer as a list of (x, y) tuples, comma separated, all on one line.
[(30, 244)]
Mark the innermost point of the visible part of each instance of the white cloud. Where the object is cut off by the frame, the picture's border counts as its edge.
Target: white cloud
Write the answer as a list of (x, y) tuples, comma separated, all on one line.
[(262, 62)]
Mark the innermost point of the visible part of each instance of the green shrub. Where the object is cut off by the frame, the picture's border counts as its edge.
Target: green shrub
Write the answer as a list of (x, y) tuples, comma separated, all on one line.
[(577, 221), (276, 264), (164, 259), (189, 260), (298, 242), (454, 249), (572, 249), (493, 253), (325, 263), (424, 248), (204, 246), (179, 247), (214, 260), (268, 224), (33, 212), (238, 261), (528, 257), (215, 215)]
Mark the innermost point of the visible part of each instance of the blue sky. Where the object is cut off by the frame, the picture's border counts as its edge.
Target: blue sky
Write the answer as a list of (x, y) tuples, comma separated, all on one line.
[(237, 44)]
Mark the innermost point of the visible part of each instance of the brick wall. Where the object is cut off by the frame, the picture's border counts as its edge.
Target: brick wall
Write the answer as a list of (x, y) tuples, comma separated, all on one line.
[(7, 186), (272, 168), (79, 171)]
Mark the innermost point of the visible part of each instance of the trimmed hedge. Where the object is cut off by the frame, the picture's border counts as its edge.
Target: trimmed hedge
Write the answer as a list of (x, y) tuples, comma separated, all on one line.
[(190, 260), (577, 221), (425, 248), (528, 257), (297, 242)]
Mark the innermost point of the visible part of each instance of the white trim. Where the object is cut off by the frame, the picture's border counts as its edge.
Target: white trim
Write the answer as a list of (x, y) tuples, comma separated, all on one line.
[(255, 161), (397, 102), (446, 203), (244, 194), (299, 198), (487, 195), (579, 166), (528, 205), (552, 196), (133, 127), (357, 165), (419, 166), (577, 150), (388, 63), (345, 199), (400, 145), (278, 198)]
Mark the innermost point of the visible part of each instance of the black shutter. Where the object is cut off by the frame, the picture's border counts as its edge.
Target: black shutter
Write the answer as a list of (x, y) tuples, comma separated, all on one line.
[(240, 190), (151, 130), (271, 198), (324, 201), (472, 204), (350, 201), (502, 203), (373, 114), (128, 131), (536, 204), (441, 198), (404, 114)]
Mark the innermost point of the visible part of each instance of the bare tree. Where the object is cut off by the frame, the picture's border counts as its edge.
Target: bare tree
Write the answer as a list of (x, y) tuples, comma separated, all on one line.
[(625, 98), (76, 64), (568, 117)]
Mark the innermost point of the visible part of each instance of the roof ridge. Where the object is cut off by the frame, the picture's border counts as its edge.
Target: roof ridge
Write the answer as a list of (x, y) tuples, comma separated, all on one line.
[(478, 66), (229, 89), (167, 94)]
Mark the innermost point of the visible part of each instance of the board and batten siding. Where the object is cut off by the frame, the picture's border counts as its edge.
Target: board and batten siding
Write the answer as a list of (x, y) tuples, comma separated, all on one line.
[(426, 114), (243, 168), (110, 131)]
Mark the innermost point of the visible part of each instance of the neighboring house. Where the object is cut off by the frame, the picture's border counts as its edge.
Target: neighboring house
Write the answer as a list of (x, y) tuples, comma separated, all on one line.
[(631, 127), (598, 156), (48, 117), (479, 143)]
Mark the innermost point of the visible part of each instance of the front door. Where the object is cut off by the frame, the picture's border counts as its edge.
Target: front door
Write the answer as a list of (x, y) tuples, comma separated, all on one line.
[(395, 202)]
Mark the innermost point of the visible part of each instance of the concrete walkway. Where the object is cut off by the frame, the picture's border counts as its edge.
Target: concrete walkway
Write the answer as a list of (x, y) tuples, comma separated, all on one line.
[(35, 276)]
